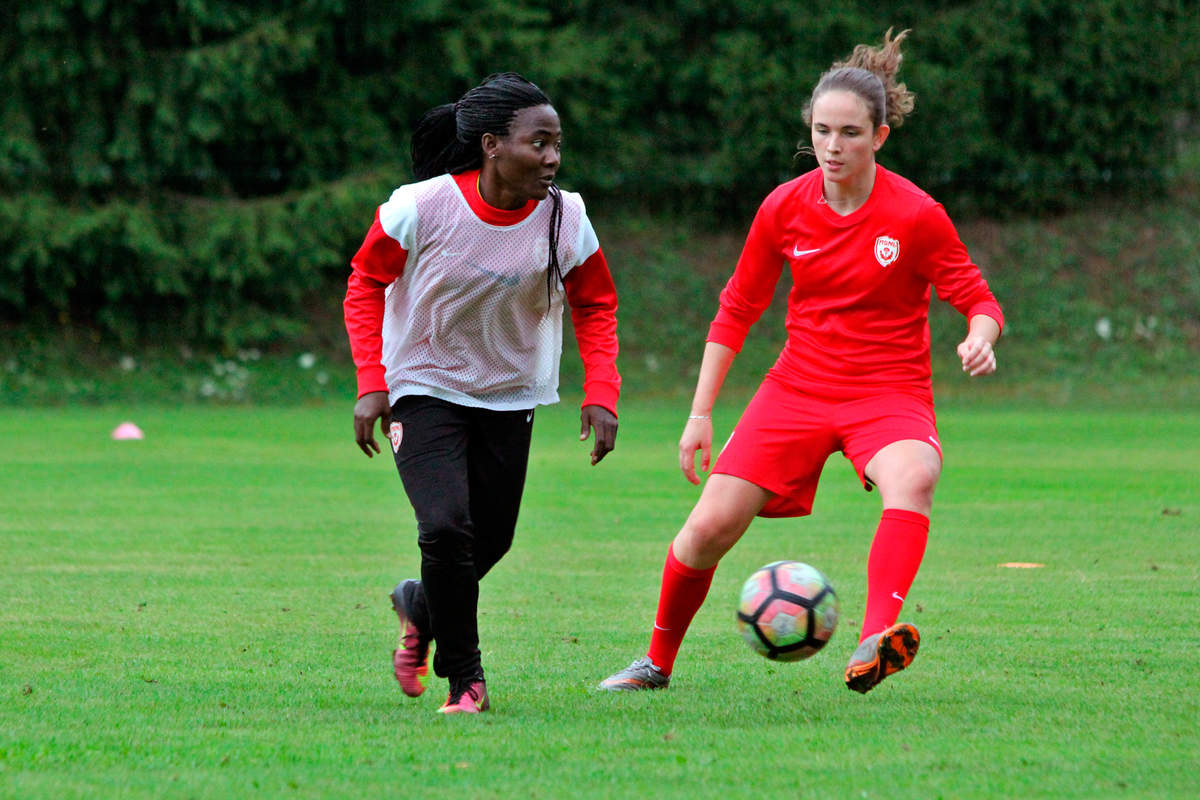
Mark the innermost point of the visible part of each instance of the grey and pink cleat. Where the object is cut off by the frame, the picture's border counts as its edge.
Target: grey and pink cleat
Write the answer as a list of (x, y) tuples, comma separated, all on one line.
[(641, 674)]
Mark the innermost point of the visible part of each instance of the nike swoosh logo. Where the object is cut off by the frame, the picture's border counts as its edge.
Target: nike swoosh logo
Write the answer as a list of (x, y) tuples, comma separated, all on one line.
[(897, 596), (507, 280), (798, 252)]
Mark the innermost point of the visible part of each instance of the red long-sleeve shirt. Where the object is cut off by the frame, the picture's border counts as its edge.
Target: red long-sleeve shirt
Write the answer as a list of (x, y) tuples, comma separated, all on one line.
[(858, 311)]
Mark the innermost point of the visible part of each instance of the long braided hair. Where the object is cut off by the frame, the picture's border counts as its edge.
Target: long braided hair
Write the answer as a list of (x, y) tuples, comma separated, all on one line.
[(447, 140)]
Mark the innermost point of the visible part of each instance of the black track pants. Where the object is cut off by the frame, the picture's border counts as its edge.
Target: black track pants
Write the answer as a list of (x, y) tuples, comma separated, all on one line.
[(463, 470)]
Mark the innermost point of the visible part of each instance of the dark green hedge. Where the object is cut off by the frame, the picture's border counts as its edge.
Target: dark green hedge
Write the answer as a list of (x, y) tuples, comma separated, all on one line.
[(204, 167), (229, 273)]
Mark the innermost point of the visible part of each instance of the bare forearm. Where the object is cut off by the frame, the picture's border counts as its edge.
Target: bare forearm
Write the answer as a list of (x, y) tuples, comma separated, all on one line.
[(985, 327), (713, 369)]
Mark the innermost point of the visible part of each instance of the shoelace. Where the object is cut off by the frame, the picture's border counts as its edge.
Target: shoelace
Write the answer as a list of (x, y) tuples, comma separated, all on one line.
[(457, 690)]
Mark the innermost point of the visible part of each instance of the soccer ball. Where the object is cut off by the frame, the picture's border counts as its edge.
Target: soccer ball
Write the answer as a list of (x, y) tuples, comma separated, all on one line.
[(788, 611)]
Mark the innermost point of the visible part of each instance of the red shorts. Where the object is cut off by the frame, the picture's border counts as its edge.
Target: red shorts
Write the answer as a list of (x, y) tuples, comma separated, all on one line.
[(784, 437)]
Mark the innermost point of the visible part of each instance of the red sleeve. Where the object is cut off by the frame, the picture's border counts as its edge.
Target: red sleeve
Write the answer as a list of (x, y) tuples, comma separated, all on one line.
[(377, 263), (955, 277), (752, 285), (593, 300)]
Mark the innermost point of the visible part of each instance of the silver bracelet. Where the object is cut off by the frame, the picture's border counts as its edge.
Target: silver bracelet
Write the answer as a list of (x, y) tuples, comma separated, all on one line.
[(699, 416)]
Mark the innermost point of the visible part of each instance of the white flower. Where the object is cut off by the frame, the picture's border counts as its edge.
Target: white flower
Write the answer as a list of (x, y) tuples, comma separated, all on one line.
[(128, 364), (1104, 328), (1145, 329), (307, 360)]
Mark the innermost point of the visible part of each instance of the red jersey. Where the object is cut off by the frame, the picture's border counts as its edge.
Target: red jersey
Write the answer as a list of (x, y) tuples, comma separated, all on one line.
[(858, 311)]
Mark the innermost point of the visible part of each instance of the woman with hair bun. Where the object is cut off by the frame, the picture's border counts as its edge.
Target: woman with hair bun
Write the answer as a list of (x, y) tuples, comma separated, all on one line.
[(454, 312), (863, 246)]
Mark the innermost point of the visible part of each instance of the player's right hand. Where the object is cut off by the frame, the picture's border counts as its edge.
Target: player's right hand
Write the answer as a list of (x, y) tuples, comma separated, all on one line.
[(697, 435), (370, 407)]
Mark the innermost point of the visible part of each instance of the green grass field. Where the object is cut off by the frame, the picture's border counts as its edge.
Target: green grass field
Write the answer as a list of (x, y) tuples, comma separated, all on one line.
[(204, 614)]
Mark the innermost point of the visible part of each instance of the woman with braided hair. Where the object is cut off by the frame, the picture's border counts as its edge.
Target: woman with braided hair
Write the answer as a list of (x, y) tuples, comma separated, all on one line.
[(863, 246), (454, 313)]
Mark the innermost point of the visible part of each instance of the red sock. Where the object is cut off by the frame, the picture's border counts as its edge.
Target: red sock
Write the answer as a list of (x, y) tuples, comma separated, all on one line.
[(892, 565), (683, 592)]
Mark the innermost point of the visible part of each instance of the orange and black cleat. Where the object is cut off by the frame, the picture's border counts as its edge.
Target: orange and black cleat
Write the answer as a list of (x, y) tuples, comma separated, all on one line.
[(880, 655)]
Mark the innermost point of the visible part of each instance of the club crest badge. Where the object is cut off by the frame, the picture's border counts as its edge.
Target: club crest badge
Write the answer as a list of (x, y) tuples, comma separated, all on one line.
[(887, 250), (396, 434)]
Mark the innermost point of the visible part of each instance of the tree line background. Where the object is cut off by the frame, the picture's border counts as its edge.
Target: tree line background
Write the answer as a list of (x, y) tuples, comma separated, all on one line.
[(205, 168)]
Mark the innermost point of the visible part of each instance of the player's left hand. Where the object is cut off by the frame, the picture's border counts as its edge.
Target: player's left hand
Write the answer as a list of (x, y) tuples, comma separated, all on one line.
[(604, 422), (977, 356)]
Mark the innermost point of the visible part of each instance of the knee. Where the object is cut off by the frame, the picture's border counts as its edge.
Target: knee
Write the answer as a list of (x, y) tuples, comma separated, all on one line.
[(446, 538), (489, 549), (710, 533), (923, 477), (915, 479)]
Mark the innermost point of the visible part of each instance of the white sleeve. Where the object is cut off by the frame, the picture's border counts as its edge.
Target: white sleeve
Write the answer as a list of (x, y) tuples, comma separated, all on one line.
[(588, 243), (398, 217)]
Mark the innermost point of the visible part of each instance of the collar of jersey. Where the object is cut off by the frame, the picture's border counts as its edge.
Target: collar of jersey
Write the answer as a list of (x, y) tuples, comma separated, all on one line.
[(856, 216), (468, 184)]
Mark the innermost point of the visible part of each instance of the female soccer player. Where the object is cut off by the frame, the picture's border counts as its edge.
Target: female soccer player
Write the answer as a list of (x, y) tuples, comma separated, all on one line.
[(864, 245), (454, 312)]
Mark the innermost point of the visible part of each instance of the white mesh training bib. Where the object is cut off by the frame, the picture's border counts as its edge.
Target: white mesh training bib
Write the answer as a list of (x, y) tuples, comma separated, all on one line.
[(468, 320)]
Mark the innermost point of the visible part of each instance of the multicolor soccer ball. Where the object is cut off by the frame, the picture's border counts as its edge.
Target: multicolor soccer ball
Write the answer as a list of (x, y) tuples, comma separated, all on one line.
[(788, 611)]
